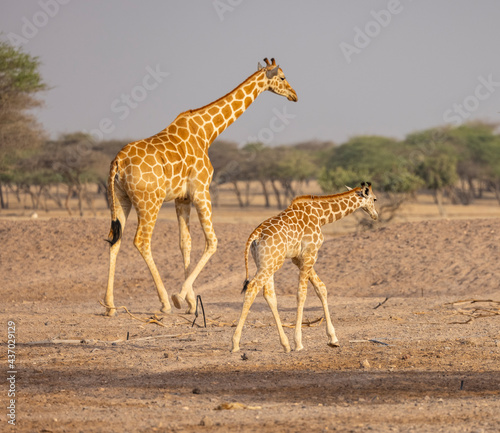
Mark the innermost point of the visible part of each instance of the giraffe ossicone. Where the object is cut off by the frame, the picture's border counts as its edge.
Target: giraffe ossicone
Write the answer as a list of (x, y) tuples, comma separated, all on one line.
[(296, 233), (174, 165)]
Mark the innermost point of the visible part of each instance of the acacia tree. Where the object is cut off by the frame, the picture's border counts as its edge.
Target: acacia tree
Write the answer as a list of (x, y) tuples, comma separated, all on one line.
[(20, 133)]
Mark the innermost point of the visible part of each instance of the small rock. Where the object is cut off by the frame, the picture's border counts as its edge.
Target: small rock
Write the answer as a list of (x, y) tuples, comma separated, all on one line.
[(196, 391), (206, 422), (365, 364)]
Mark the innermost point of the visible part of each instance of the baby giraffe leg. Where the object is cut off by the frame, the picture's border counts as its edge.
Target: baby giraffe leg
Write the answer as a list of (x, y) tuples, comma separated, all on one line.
[(251, 291), (270, 297), (250, 294), (301, 299), (320, 289)]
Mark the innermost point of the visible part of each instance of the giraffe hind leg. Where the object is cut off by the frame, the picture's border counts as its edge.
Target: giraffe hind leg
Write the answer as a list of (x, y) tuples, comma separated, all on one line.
[(251, 290), (123, 205)]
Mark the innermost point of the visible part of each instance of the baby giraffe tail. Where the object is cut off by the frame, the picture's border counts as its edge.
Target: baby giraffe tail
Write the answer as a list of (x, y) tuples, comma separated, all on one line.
[(255, 234)]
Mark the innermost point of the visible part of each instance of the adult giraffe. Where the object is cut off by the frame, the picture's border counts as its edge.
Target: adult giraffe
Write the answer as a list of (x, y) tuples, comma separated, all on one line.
[(174, 165)]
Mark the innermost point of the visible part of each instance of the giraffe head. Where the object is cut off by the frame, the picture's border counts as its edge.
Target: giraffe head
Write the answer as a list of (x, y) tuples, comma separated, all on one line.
[(277, 81), (368, 199)]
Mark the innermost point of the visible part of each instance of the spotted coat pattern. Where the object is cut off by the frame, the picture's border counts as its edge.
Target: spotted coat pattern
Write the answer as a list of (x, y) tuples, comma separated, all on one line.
[(174, 165), (296, 234)]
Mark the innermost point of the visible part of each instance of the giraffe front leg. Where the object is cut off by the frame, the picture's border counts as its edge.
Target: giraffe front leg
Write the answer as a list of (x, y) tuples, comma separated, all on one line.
[(320, 289), (204, 210)]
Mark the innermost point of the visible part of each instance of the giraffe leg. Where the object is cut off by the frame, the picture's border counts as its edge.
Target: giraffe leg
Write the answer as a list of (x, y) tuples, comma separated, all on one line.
[(301, 299), (142, 241), (204, 210), (320, 289), (270, 297), (183, 208), (122, 206), (250, 293)]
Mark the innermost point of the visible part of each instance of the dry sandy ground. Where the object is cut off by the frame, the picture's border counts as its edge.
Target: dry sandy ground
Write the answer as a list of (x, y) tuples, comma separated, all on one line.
[(418, 362)]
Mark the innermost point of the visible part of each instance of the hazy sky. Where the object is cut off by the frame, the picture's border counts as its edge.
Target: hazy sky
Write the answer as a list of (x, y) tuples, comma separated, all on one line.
[(125, 69)]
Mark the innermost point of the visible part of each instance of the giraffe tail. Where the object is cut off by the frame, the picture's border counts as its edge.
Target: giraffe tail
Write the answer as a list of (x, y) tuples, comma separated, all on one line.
[(116, 228), (255, 234)]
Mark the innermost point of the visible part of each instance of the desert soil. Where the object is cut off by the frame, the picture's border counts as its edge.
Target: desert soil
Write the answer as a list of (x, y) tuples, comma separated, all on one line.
[(412, 358)]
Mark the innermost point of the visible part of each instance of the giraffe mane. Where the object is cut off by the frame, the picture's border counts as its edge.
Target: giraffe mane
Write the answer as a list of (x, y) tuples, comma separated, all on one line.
[(310, 197), (222, 97)]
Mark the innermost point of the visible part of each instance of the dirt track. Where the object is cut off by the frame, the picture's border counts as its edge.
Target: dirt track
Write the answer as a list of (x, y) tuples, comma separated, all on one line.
[(426, 370)]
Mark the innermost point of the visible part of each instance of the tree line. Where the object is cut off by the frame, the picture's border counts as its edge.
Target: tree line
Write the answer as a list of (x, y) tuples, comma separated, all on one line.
[(459, 163)]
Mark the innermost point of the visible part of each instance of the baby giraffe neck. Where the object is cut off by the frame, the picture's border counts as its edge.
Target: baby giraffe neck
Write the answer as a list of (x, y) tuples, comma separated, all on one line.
[(339, 207)]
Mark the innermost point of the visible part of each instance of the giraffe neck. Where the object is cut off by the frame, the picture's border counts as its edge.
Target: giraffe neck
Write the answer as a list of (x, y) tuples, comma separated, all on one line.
[(217, 116), (338, 206)]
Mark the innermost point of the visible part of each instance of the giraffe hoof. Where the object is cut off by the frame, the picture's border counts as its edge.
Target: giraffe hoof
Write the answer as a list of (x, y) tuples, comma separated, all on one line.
[(334, 343), (166, 309), (177, 301), (110, 312)]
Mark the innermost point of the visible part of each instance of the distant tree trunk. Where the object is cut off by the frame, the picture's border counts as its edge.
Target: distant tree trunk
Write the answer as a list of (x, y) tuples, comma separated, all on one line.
[(265, 192), (214, 192), (496, 188), (66, 202), (277, 194), (3, 203), (102, 188), (247, 193), (88, 199), (438, 198), (238, 193)]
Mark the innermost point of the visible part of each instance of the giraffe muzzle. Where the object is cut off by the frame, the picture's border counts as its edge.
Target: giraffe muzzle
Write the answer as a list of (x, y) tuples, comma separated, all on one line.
[(292, 96)]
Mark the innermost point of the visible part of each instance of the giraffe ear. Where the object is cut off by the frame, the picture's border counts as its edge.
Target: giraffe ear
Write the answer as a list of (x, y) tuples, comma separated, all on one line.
[(272, 73), (259, 66), (348, 188)]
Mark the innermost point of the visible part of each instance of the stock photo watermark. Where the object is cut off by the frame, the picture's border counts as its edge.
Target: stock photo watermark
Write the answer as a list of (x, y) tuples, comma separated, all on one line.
[(31, 26), (222, 7), (11, 372), (123, 107), (363, 36), (277, 124), (460, 112)]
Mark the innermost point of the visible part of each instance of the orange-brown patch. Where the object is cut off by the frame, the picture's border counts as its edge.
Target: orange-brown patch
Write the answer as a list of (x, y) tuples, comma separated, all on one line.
[(218, 120), (249, 88), (227, 111), (183, 133), (237, 105)]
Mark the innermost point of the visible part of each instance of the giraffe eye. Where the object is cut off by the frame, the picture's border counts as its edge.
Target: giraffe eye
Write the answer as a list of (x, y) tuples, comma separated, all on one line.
[(282, 78)]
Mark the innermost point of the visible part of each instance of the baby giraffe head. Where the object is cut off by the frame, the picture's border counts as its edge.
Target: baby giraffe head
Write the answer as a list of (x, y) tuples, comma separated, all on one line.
[(368, 199), (277, 81)]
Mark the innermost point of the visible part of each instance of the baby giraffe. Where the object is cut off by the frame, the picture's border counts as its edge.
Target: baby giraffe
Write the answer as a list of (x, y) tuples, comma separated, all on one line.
[(296, 233)]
